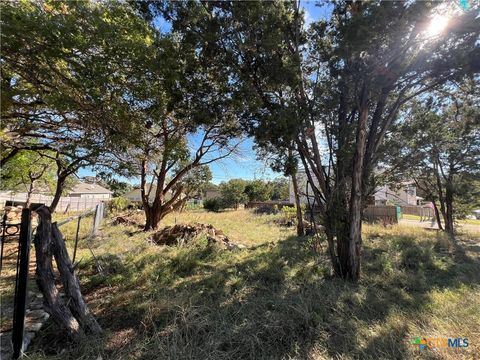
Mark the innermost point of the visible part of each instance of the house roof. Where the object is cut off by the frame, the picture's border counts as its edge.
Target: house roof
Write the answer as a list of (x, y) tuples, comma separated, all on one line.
[(84, 188)]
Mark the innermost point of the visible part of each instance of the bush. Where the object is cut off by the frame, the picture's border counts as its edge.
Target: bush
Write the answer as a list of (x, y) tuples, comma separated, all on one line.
[(289, 214), (232, 193), (214, 204), (119, 203)]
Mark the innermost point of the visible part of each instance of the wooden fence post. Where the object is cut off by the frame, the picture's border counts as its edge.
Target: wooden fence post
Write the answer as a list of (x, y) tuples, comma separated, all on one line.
[(76, 238)]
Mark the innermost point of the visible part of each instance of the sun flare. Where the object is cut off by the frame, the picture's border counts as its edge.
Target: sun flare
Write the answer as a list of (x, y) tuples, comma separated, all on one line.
[(437, 25)]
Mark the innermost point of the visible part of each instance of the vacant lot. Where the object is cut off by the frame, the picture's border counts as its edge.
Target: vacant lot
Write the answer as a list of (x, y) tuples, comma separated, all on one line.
[(273, 300)]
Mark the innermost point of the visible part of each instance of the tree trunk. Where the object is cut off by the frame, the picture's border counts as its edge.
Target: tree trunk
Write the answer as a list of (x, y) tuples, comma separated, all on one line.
[(449, 227), (437, 215), (74, 318), (28, 201), (356, 206), (153, 215), (45, 278), (71, 285), (300, 228), (58, 192)]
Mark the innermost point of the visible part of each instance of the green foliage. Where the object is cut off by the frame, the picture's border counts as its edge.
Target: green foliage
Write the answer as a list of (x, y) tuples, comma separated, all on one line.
[(279, 189), (289, 214), (439, 147), (258, 190), (85, 51), (119, 203), (28, 168), (232, 193), (214, 204)]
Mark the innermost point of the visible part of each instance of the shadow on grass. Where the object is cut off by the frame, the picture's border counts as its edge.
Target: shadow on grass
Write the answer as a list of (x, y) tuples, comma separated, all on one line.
[(274, 302)]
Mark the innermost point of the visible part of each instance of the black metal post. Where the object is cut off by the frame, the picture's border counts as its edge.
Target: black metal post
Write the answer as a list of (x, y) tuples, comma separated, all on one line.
[(4, 231), (20, 301)]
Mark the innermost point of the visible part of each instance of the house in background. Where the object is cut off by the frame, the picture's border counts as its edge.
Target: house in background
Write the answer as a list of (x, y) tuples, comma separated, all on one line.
[(135, 195), (406, 195), (82, 196), (90, 191), (211, 193)]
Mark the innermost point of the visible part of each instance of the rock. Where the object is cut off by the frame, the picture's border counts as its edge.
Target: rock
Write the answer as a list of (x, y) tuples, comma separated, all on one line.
[(39, 314), (33, 326), (27, 338)]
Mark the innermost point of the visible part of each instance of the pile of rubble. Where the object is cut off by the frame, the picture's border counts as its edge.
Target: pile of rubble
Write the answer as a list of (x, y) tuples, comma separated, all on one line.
[(133, 217), (182, 234)]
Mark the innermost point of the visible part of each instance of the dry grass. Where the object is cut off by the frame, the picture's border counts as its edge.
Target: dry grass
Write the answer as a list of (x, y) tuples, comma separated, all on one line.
[(277, 301), (242, 226)]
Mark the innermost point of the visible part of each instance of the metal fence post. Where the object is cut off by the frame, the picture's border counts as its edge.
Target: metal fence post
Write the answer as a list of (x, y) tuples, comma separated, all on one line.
[(20, 301), (4, 231)]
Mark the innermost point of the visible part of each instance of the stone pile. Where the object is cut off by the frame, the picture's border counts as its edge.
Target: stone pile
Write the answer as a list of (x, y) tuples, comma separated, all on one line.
[(35, 317)]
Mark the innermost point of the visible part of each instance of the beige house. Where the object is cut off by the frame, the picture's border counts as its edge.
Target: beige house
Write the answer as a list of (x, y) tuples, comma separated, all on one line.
[(136, 195), (90, 191)]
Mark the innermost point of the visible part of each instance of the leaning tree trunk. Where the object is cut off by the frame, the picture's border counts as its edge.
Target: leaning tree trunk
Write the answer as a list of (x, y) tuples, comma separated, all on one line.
[(437, 215), (73, 316), (45, 278), (300, 227), (58, 192), (71, 284)]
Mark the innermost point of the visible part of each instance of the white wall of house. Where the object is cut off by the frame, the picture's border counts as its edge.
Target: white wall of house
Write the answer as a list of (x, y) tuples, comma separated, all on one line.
[(92, 196)]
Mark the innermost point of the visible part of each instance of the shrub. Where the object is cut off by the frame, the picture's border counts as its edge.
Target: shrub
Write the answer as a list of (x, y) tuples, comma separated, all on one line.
[(214, 204), (232, 193), (289, 214), (119, 203)]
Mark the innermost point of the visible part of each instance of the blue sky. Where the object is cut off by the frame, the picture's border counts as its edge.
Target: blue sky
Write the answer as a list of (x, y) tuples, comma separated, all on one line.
[(245, 165)]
